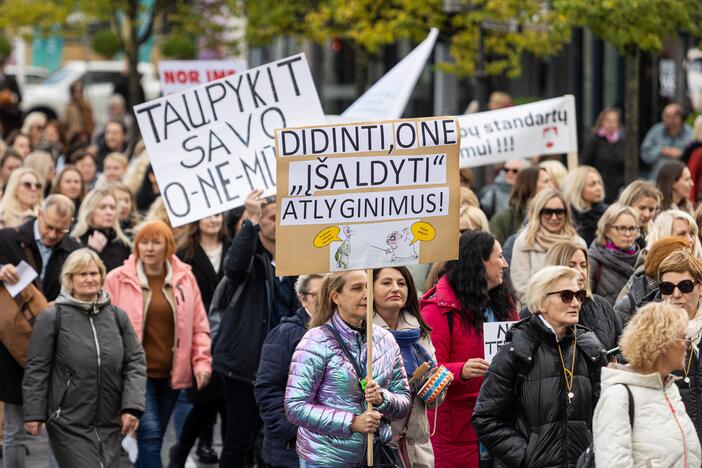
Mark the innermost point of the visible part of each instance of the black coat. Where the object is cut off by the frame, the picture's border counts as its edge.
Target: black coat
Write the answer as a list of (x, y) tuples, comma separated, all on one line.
[(11, 115), (597, 315), (12, 250), (279, 435), (643, 290), (691, 392), (586, 221), (264, 300), (522, 414), (608, 158), (115, 252), (205, 275)]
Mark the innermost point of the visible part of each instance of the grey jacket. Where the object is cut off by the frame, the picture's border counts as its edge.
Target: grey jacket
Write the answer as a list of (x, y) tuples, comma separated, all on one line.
[(85, 368), (609, 271)]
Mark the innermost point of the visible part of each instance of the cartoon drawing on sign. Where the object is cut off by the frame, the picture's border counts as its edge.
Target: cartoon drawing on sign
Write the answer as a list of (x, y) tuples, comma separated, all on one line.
[(343, 252), (399, 247)]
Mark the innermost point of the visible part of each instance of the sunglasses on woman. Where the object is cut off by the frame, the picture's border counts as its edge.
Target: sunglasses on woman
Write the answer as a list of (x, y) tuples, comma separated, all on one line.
[(30, 185), (685, 287), (567, 295), (548, 212)]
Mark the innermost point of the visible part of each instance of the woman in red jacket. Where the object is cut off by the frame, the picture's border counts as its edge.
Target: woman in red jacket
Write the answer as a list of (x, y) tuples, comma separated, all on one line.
[(470, 293)]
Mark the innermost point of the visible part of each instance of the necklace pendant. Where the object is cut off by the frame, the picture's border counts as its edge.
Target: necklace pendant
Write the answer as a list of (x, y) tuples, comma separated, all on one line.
[(686, 380), (571, 395)]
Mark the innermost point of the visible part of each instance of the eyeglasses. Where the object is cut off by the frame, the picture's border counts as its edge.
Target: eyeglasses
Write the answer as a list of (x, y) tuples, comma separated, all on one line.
[(513, 171), (687, 340), (305, 293), (685, 287), (29, 185), (626, 229), (549, 212), (567, 295), (50, 228)]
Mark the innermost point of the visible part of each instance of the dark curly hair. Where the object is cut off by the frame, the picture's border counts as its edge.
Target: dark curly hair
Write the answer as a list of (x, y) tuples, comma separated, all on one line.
[(467, 278)]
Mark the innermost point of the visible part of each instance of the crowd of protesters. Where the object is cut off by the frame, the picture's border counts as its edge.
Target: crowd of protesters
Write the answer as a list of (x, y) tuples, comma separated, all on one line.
[(148, 325)]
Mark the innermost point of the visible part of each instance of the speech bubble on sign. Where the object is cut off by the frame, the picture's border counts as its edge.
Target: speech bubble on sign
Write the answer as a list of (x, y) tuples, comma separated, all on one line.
[(327, 236), (423, 232)]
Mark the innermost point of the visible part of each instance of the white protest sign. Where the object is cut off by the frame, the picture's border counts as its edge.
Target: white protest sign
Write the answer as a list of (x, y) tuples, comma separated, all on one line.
[(539, 128), (388, 97), (210, 145), (179, 75), (494, 334)]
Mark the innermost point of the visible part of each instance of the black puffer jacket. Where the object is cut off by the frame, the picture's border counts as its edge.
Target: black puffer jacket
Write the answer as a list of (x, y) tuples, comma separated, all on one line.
[(586, 221), (642, 290), (522, 414), (596, 315), (81, 380), (609, 270), (691, 392)]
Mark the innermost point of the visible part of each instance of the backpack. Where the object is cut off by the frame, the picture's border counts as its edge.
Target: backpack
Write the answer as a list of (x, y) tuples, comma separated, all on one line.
[(587, 459)]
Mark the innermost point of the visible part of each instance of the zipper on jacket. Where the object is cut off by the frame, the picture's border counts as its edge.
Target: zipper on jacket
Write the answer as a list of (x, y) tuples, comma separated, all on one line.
[(99, 366), (677, 421)]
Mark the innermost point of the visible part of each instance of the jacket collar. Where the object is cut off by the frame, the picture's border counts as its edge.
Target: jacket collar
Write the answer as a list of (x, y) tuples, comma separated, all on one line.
[(442, 296), (405, 322), (347, 333), (128, 271), (25, 234)]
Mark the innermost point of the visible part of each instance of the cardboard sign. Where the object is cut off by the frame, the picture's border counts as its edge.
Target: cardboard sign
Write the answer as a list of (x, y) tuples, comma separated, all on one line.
[(179, 75), (210, 145), (388, 97), (494, 334), (367, 195), (539, 128)]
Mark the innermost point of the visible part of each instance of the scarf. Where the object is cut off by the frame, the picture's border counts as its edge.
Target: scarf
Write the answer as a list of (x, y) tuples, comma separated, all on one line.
[(546, 238), (610, 137), (413, 354), (634, 250), (694, 329)]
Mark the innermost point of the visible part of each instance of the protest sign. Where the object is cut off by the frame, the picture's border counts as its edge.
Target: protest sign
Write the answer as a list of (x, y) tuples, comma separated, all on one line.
[(367, 195), (388, 97), (494, 334), (539, 128), (210, 145), (179, 75)]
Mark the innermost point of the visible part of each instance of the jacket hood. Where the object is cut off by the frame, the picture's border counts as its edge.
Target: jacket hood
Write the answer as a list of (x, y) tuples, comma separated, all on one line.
[(441, 296), (66, 298), (619, 374), (128, 270)]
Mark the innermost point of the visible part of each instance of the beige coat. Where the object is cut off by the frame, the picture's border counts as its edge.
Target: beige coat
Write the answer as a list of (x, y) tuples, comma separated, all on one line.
[(419, 448), (527, 260)]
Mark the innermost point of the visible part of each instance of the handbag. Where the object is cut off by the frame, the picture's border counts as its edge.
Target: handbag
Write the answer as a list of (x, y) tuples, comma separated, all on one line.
[(17, 316), (384, 455)]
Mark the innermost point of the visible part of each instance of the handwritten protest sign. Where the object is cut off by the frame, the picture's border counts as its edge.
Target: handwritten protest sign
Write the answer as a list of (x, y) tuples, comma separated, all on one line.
[(539, 128), (367, 195), (179, 75), (494, 334), (212, 144)]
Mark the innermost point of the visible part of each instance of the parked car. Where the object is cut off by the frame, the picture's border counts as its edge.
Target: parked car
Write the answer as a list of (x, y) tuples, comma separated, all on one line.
[(51, 96), (32, 75)]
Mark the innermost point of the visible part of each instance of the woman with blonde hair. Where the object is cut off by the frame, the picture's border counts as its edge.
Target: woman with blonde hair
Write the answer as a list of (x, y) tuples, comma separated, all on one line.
[(43, 164), (85, 374), (471, 218), (98, 228), (114, 168), (22, 197), (549, 222), (325, 396), (34, 125), (128, 215), (556, 171), (675, 223), (536, 401), (614, 252), (584, 190), (643, 196), (596, 313), (654, 343)]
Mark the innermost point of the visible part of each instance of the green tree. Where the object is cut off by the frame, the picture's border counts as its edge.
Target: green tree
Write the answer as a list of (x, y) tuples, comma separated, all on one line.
[(634, 26)]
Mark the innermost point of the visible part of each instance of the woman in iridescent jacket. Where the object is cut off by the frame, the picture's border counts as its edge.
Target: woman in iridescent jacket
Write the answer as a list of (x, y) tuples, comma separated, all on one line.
[(324, 396)]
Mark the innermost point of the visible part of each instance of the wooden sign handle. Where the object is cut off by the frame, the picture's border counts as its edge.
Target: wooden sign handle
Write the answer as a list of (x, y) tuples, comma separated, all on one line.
[(369, 361)]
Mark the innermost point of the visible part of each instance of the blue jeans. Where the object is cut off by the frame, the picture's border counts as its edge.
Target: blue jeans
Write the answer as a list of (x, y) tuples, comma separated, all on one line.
[(160, 401), (180, 414), (14, 437)]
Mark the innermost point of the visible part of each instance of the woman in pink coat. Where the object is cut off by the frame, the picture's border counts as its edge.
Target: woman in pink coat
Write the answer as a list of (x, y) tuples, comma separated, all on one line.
[(161, 297), (470, 293)]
